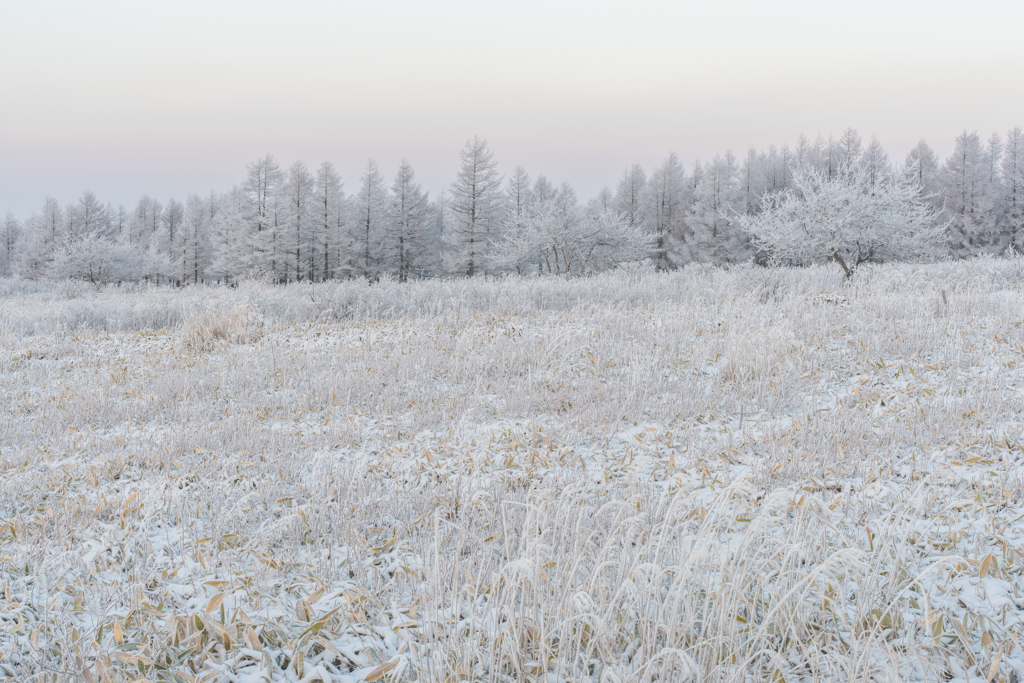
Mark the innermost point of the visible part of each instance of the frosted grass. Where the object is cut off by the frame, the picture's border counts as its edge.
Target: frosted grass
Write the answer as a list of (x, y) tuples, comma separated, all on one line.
[(715, 475)]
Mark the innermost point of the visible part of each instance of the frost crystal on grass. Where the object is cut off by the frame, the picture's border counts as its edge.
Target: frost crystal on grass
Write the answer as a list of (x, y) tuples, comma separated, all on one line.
[(700, 475)]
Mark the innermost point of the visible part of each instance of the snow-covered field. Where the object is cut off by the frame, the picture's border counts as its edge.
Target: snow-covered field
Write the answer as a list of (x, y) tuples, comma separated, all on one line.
[(705, 475)]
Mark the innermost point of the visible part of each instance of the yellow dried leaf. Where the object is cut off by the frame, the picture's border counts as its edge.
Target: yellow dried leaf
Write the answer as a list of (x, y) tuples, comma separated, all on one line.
[(252, 639), (985, 565), (118, 633), (214, 602), (380, 671), (994, 669)]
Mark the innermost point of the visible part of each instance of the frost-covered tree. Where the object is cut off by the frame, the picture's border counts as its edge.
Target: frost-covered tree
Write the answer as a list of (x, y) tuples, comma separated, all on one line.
[(968, 200), (10, 234), (665, 213), (875, 162), (717, 200), (849, 149), (842, 220), (922, 166), (1012, 168), (260, 252), (777, 168), (100, 260), (752, 183), (144, 222), (118, 222), (803, 152), (408, 220), (42, 237), (630, 193), (371, 214), (191, 248), (166, 235), (517, 194), (604, 201), (561, 237), (435, 256), (87, 216), (330, 215), (544, 189), (300, 235), (227, 237), (474, 207)]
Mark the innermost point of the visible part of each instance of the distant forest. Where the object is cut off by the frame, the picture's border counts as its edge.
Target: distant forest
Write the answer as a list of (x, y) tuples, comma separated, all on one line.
[(299, 224)]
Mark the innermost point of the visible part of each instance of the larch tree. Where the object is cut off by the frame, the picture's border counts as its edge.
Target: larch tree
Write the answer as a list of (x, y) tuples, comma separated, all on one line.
[(517, 194), (665, 213), (227, 258), (474, 207), (923, 167), (371, 213), (713, 213), (543, 189), (10, 234), (777, 168), (329, 203), (605, 200), (144, 222), (849, 148), (262, 189), (407, 224), (998, 239), (752, 180), (300, 236), (875, 162), (42, 238), (191, 255), (803, 152), (629, 195), (166, 236), (1012, 167), (88, 216), (118, 222), (434, 255), (967, 197)]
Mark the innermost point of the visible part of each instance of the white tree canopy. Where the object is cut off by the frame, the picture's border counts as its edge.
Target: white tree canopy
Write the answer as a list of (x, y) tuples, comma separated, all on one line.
[(839, 219), (563, 238), (101, 261)]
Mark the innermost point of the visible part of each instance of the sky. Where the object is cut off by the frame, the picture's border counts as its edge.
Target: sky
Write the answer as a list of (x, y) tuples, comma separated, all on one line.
[(137, 97)]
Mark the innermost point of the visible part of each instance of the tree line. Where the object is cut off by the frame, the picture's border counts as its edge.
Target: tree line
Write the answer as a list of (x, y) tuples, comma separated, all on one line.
[(298, 224)]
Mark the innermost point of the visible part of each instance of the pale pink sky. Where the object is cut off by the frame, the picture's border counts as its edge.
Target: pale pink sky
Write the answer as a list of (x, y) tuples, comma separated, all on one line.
[(127, 98)]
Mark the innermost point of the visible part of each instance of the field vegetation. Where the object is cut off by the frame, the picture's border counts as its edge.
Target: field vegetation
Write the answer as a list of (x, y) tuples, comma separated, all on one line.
[(709, 474)]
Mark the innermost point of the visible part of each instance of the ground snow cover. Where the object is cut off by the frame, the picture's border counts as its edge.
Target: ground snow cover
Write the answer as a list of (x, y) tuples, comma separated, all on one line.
[(705, 475)]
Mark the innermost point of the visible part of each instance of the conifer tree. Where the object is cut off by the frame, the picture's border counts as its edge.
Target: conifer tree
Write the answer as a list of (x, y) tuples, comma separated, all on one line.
[(407, 226), (368, 228), (474, 208)]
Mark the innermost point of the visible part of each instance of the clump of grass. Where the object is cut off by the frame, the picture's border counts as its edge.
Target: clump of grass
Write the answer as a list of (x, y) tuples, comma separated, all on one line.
[(204, 331), (6, 332)]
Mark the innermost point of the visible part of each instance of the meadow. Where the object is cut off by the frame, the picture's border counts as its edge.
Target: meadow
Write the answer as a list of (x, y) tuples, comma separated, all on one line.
[(711, 474)]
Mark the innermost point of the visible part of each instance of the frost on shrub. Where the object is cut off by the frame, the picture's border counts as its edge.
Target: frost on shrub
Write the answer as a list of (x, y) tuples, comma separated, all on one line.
[(102, 261), (847, 219), (203, 331), (559, 237)]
